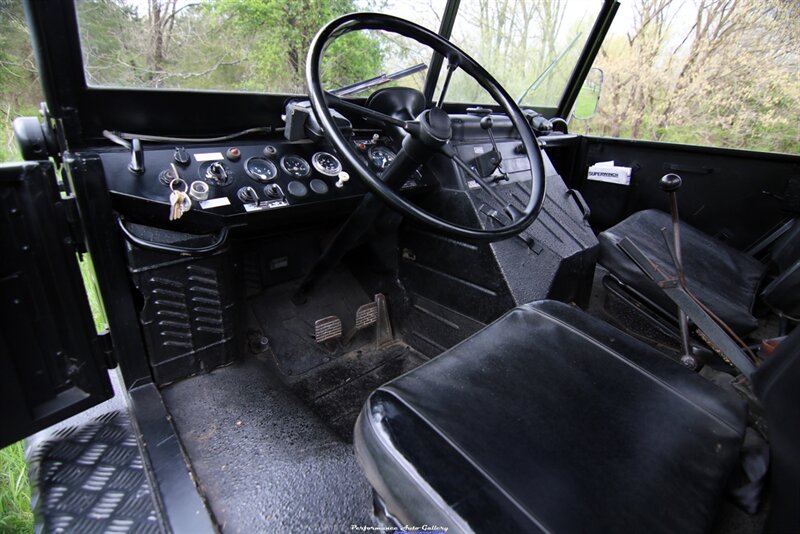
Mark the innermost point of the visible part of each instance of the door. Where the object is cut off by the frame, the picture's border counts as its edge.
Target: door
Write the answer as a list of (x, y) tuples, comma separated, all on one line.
[(52, 361)]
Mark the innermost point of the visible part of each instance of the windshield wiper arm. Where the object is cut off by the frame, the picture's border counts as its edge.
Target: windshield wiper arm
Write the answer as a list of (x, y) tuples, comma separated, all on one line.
[(538, 81), (378, 80)]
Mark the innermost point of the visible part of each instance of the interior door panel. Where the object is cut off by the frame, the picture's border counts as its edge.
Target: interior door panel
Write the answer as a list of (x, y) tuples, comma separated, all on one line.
[(734, 195), (51, 363)]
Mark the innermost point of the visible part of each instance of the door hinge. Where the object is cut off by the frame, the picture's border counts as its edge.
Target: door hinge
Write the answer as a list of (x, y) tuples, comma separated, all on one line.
[(106, 347), (76, 237)]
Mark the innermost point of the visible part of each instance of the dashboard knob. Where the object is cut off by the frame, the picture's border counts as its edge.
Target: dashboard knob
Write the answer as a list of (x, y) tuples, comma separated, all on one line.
[(136, 166), (344, 177), (273, 191), (233, 154), (247, 194), (270, 151), (198, 190), (180, 156)]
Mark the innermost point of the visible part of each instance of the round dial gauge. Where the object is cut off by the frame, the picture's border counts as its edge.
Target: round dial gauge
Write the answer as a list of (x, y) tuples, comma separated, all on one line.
[(295, 166), (380, 157), (260, 169), (326, 163)]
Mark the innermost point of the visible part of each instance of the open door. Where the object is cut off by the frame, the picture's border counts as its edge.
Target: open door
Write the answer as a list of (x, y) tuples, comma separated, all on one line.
[(52, 362)]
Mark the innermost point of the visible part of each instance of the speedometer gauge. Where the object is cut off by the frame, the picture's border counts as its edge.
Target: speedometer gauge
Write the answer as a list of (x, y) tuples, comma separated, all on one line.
[(295, 166), (380, 157), (260, 169), (326, 163)]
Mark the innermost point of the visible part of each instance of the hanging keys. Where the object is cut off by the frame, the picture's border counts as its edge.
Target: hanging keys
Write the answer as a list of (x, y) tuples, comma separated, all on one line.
[(179, 201)]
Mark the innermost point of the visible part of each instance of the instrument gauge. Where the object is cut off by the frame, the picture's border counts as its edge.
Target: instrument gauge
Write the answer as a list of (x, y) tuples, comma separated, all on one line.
[(326, 163), (380, 157), (295, 166), (260, 169)]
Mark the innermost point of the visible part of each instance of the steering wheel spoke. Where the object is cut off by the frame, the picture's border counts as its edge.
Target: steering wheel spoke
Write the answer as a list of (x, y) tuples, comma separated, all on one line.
[(340, 103), (401, 168)]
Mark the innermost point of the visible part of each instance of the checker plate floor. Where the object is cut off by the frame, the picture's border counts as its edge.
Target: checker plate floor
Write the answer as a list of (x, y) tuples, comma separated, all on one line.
[(90, 478)]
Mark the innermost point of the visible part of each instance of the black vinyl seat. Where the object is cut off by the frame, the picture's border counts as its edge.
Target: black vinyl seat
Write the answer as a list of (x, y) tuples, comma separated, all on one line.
[(723, 278), (550, 420)]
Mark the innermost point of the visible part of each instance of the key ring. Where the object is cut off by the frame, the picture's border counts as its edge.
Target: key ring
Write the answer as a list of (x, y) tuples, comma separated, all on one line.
[(172, 185)]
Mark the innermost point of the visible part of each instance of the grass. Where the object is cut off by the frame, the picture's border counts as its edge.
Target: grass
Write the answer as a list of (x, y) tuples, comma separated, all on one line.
[(15, 492)]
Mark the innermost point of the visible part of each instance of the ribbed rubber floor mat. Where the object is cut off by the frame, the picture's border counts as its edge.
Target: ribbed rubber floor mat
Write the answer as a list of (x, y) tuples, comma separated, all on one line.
[(90, 478)]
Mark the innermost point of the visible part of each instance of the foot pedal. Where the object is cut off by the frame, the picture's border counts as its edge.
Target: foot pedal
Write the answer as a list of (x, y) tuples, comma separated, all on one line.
[(327, 328), (366, 315), (373, 313)]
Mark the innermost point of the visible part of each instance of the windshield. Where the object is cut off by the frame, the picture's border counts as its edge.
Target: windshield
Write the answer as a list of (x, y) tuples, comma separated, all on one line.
[(530, 46)]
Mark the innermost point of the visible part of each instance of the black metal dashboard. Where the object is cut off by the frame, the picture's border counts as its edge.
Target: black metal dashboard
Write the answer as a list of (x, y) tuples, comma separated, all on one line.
[(252, 181), (267, 183)]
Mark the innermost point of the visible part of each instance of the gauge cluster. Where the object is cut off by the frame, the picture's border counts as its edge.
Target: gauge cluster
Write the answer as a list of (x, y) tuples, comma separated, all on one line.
[(242, 179)]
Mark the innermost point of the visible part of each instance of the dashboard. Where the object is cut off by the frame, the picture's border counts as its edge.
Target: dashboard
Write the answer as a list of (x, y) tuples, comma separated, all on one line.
[(254, 179), (273, 181)]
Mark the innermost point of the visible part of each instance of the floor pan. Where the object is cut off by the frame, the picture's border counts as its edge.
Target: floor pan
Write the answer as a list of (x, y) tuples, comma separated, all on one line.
[(338, 389), (263, 460)]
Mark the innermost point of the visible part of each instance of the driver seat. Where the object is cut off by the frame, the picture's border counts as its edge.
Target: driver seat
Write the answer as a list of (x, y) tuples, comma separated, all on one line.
[(549, 420)]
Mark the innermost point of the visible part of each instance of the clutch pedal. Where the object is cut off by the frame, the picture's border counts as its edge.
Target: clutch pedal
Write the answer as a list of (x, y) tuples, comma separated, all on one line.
[(327, 328)]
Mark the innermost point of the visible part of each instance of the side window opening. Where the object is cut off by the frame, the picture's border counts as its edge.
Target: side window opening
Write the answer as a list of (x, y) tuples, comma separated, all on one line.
[(705, 73)]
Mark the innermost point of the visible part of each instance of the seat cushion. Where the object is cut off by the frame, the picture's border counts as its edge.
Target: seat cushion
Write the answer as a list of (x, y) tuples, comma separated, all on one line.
[(551, 420), (723, 278)]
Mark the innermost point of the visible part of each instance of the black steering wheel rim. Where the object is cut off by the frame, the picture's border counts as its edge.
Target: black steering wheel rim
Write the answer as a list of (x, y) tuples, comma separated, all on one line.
[(378, 21)]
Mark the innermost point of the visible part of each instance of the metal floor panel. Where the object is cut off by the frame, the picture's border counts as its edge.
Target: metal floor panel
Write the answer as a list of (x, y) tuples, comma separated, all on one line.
[(90, 478), (263, 459)]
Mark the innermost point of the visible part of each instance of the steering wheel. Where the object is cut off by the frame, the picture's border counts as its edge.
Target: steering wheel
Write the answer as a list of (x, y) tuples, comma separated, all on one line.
[(428, 134)]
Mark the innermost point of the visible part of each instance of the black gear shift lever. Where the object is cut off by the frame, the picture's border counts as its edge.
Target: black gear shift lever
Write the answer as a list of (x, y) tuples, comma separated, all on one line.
[(486, 124), (670, 183)]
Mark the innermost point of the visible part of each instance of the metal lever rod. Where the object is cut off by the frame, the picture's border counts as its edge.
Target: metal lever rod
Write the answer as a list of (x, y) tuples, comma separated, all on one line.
[(670, 183), (685, 301), (486, 124)]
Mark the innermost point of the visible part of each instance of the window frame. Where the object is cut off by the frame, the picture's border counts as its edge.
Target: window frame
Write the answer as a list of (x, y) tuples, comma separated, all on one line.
[(84, 111)]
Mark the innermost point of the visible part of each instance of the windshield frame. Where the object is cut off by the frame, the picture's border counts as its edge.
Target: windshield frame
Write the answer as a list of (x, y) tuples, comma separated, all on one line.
[(84, 111)]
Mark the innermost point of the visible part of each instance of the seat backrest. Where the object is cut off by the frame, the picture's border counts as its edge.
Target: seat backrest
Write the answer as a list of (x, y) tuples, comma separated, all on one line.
[(783, 293), (786, 250), (776, 384)]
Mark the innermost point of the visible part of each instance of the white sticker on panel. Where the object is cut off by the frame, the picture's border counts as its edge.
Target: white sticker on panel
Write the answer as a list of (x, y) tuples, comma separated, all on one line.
[(209, 156), (215, 203)]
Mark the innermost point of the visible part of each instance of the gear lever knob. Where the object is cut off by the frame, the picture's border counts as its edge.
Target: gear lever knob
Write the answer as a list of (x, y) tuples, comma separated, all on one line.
[(670, 183), (486, 122)]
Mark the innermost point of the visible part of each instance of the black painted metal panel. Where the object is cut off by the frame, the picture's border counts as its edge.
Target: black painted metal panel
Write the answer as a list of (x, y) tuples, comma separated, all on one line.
[(51, 364)]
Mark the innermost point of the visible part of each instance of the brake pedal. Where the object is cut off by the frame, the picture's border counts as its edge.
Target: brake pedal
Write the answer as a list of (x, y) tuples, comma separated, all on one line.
[(327, 328), (373, 313), (366, 315)]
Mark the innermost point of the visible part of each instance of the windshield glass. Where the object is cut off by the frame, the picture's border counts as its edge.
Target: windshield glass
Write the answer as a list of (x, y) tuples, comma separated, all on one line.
[(531, 46), (240, 45)]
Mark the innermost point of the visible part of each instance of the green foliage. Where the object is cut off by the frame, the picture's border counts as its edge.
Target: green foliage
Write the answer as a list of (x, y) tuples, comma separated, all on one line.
[(19, 87), (93, 292), (15, 493), (278, 35)]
